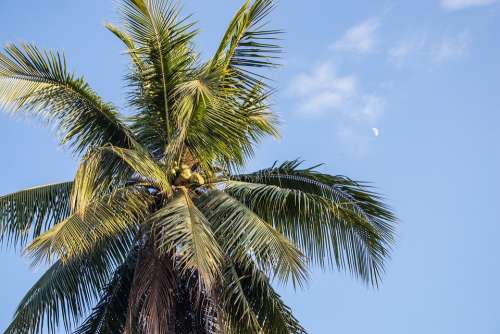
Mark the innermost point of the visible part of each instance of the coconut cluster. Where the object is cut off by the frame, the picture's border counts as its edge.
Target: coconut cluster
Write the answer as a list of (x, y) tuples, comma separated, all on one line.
[(185, 176)]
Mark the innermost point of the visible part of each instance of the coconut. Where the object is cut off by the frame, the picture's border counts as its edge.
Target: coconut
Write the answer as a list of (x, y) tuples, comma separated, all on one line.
[(185, 174), (197, 179)]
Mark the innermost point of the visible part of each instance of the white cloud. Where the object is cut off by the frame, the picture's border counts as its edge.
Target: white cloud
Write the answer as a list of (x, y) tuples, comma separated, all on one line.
[(324, 100), (450, 48), (361, 38), (322, 92), (422, 49), (462, 4), (371, 108), (323, 88), (406, 49)]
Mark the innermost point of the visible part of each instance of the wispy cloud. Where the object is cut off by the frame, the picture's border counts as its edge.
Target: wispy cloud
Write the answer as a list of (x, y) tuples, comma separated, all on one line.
[(322, 92), (423, 49), (462, 4), (322, 89), (357, 111), (361, 38), (407, 48), (369, 108), (451, 47)]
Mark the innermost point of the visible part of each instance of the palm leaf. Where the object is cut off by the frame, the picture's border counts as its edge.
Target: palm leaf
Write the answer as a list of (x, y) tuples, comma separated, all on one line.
[(226, 132), (183, 228), (129, 43), (246, 42), (247, 45), (98, 172), (114, 214), (239, 315), (161, 42), (39, 82), (334, 220), (67, 289), (252, 305), (106, 168), (144, 165), (227, 123), (28, 213), (110, 313), (243, 233)]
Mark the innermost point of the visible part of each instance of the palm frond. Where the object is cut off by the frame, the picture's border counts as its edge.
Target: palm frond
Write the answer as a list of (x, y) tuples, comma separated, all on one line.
[(183, 228), (119, 212), (243, 233), (225, 126), (94, 178), (162, 43), (334, 220), (247, 43), (67, 289), (27, 213), (100, 171), (196, 308), (226, 132), (239, 316), (39, 82), (141, 162), (252, 305), (129, 43), (110, 313)]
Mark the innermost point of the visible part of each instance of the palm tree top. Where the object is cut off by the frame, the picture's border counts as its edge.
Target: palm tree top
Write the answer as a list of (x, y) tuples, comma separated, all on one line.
[(160, 232)]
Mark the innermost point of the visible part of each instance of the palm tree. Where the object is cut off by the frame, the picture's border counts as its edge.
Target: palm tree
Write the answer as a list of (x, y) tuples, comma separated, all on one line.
[(160, 231)]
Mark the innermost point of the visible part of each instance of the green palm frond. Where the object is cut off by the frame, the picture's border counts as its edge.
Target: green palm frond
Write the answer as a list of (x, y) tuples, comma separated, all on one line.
[(39, 82), (225, 126), (183, 228), (100, 171), (240, 317), (114, 214), (67, 289), (28, 213), (242, 233), (192, 98), (332, 219), (129, 43), (252, 305), (162, 43), (226, 131), (110, 313), (94, 178), (247, 46), (256, 110), (247, 43), (141, 162)]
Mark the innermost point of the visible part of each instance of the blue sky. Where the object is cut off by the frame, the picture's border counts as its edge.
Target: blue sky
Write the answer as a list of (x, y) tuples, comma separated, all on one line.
[(400, 93)]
